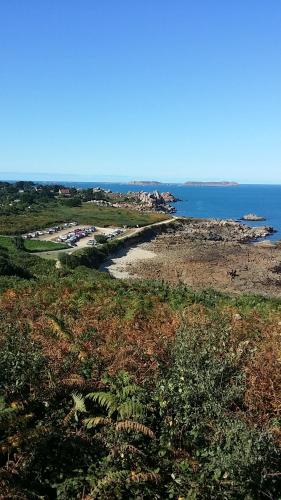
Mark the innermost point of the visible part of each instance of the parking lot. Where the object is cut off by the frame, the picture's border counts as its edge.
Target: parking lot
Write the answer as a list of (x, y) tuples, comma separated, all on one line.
[(74, 235)]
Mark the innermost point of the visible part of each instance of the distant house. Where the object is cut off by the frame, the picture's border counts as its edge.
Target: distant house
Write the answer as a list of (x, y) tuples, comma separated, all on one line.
[(64, 192)]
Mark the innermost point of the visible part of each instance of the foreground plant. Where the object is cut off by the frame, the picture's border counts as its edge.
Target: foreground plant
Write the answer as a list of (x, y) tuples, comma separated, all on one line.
[(117, 429)]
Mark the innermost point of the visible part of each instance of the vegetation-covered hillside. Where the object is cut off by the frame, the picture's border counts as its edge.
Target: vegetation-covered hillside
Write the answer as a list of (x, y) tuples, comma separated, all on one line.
[(112, 389), (25, 207)]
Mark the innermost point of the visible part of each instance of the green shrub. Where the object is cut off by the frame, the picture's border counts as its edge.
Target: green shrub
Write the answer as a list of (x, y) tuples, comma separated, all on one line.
[(222, 456), (72, 202), (89, 257), (8, 267), (101, 238), (22, 364), (18, 242)]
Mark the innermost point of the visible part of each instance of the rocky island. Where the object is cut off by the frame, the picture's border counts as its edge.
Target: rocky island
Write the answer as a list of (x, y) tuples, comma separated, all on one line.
[(253, 217), (145, 183)]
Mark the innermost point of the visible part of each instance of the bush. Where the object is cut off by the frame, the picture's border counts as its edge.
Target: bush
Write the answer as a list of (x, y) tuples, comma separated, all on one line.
[(201, 398), (19, 243), (22, 364), (9, 268), (72, 202), (89, 257), (101, 238)]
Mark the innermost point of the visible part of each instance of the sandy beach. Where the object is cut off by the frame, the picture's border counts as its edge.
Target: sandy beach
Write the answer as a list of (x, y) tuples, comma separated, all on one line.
[(121, 266)]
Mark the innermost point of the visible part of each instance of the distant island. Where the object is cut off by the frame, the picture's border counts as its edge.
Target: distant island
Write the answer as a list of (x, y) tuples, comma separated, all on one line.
[(145, 183), (223, 183), (188, 183)]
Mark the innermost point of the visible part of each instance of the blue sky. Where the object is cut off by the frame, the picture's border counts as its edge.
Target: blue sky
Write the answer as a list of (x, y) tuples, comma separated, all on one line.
[(169, 90)]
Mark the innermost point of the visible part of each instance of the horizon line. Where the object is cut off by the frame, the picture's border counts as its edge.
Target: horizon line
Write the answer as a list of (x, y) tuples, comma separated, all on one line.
[(135, 182)]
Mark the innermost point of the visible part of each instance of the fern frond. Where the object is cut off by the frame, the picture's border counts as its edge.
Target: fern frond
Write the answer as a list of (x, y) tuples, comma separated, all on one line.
[(112, 478), (94, 421), (78, 407), (130, 409), (129, 390), (58, 327), (79, 403), (104, 399), (74, 379), (130, 425), (82, 434), (143, 477)]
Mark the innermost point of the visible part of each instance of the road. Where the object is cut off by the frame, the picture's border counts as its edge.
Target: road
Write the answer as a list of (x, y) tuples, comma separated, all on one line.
[(54, 255)]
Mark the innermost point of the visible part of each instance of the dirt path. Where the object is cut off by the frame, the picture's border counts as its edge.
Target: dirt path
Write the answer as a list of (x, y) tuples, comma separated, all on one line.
[(54, 254)]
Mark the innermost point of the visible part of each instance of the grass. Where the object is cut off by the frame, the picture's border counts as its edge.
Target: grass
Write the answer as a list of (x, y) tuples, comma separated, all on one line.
[(86, 214), (32, 245), (43, 246), (7, 242)]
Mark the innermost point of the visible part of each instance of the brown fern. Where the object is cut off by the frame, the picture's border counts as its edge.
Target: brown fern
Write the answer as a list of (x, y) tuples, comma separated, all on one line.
[(95, 421), (112, 478), (142, 477), (130, 425)]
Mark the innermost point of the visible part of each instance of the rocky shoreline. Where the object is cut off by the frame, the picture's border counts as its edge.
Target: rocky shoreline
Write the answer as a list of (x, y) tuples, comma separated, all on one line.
[(205, 253), (221, 230)]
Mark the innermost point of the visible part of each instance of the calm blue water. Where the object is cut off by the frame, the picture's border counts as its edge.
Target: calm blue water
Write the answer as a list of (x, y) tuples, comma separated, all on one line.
[(218, 202)]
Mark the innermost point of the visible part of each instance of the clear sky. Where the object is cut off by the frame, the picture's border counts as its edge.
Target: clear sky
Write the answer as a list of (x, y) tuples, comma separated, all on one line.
[(147, 89)]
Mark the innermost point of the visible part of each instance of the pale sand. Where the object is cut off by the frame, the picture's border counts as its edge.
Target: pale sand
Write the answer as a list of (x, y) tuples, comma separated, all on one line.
[(119, 266)]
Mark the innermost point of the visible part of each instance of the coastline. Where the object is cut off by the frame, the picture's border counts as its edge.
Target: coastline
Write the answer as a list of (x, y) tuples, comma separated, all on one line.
[(229, 263), (214, 202)]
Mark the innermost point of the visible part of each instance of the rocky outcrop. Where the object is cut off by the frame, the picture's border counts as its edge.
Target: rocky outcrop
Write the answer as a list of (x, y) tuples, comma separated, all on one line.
[(157, 201), (222, 230), (253, 217), (169, 197)]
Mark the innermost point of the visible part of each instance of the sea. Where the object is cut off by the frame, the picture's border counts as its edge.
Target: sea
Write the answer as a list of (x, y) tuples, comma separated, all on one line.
[(219, 202)]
